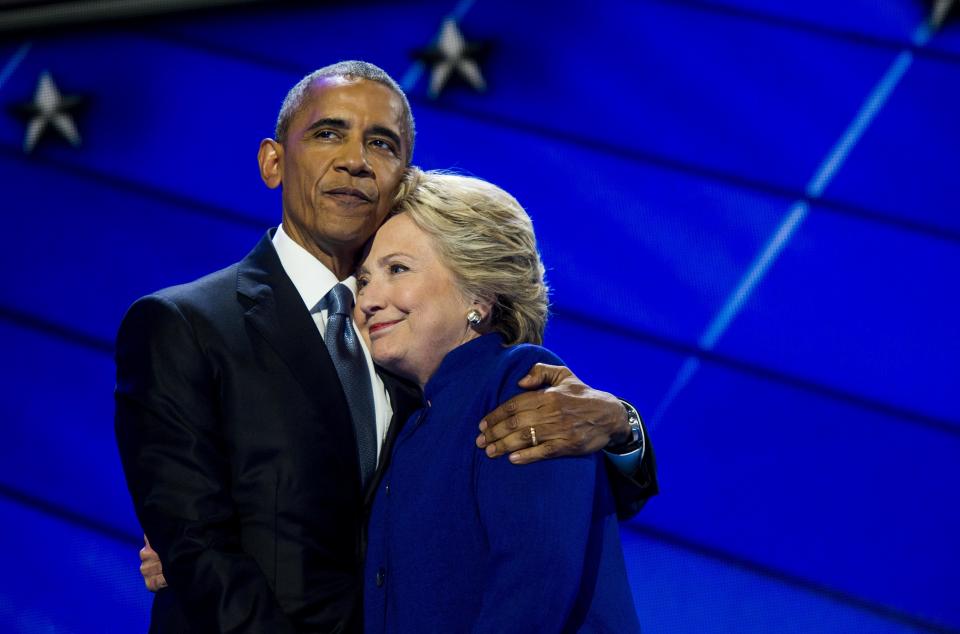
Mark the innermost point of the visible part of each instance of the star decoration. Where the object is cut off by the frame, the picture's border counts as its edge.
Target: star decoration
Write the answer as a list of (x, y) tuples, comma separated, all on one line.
[(453, 53), (48, 108), (941, 9)]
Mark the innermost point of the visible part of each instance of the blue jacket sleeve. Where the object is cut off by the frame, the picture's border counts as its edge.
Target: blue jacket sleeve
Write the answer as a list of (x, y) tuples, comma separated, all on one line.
[(537, 519)]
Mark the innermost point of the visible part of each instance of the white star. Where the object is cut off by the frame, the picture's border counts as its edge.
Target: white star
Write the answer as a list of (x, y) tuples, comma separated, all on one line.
[(940, 10), (454, 56), (50, 107)]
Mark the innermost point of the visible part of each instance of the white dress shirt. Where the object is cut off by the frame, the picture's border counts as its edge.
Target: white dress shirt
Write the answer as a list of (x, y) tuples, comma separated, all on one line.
[(313, 281)]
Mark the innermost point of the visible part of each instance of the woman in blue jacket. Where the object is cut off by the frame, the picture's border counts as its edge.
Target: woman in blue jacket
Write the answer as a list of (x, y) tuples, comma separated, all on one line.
[(452, 296)]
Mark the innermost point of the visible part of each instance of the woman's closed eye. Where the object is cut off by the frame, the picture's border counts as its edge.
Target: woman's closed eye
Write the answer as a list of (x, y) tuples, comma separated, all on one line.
[(393, 269)]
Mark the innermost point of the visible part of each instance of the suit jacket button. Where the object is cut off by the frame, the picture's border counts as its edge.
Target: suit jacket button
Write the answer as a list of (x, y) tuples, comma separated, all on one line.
[(381, 577)]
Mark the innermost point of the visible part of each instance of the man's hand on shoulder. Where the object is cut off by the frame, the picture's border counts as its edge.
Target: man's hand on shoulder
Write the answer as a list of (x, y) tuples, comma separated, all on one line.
[(567, 418)]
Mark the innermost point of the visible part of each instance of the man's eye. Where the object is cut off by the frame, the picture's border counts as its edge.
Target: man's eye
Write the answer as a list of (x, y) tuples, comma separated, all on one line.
[(383, 145), (325, 134)]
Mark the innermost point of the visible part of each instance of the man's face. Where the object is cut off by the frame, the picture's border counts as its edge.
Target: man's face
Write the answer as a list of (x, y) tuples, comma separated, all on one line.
[(341, 165)]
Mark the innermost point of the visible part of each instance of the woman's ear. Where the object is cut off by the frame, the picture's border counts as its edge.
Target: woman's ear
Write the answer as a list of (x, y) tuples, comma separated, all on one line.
[(270, 158), (483, 304)]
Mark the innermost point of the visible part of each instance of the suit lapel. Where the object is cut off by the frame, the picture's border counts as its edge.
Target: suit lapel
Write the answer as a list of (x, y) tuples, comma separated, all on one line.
[(276, 311)]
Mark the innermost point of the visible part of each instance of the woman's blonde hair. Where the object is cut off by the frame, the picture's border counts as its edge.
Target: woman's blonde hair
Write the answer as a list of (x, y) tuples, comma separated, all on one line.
[(486, 239)]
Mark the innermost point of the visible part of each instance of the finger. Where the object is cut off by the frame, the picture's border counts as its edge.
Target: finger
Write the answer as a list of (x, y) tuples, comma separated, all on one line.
[(522, 439), (544, 375), (516, 413), (516, 423), (527, 401), (151, 568), (549, 449), (155, 583), (148, 554)]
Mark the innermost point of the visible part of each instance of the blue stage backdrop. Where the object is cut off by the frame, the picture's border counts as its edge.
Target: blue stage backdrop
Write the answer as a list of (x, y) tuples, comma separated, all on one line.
[(750, 213)]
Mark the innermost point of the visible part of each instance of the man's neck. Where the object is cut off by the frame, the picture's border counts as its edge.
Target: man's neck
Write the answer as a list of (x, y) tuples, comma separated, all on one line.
[(311, 277), (341, 263)]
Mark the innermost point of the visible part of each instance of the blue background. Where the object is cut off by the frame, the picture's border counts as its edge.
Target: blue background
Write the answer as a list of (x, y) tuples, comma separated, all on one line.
[(749, 213)]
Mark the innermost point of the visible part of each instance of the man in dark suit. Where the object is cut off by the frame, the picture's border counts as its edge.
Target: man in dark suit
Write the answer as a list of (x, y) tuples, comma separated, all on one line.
[(247, 457)]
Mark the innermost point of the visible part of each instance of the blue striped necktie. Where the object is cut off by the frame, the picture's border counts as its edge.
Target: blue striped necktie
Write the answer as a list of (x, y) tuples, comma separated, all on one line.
[(347, 355)]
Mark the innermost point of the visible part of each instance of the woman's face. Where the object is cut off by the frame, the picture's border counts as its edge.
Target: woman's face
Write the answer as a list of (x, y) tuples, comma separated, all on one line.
[(410, 309)]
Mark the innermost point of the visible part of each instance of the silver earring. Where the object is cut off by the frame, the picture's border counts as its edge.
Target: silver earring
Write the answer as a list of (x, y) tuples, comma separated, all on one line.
[(474, 317)]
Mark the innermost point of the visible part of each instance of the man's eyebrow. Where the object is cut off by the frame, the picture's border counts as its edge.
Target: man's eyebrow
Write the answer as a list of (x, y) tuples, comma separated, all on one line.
[(329, 122), (379, 130)]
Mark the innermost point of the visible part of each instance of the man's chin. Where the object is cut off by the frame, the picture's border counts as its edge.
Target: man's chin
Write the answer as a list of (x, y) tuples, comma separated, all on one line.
[(352, 236)]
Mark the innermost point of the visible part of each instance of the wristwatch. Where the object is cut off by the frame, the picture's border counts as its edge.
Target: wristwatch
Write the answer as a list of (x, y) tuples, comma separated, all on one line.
[(636, 431), (634, 420)]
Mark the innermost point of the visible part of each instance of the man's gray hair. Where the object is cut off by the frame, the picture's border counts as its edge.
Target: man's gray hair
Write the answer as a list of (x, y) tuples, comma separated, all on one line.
[(351, 69)]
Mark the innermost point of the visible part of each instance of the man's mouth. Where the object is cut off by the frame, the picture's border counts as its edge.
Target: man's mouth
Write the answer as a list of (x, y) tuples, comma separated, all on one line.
[(349, 194)]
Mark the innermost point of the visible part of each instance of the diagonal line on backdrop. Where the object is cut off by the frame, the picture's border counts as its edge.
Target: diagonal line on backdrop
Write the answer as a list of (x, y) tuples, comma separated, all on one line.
[(13, 62), (800, 24), (64, 514), (697, 170), (794, 218), (180, 201), (698, 355), (413, 74), (780, 576), (53, 329)]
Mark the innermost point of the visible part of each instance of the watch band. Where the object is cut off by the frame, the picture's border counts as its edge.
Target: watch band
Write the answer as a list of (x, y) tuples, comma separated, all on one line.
[(636, 444), (636, 425)]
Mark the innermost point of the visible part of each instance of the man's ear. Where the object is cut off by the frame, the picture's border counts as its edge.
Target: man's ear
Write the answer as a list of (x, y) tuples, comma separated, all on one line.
[(270, 158)]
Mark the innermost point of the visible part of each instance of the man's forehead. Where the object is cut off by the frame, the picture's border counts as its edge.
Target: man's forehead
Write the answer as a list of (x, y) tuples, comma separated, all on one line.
[(335, 80), (345, 97)]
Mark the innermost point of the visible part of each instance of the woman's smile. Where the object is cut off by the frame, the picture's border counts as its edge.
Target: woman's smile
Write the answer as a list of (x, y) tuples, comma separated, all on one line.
[(381, 327)]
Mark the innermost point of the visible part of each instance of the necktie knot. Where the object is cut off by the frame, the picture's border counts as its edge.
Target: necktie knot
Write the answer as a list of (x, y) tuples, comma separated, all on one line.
[(338, 301)]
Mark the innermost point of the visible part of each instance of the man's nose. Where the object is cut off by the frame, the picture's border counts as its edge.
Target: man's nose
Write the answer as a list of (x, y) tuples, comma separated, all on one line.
[(352, 159)]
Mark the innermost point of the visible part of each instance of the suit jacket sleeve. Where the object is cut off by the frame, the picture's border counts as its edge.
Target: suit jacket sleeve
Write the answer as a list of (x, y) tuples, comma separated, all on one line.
[(175, 460)]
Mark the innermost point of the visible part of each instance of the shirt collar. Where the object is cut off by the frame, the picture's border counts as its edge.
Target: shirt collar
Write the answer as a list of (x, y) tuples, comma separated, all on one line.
[(310, 277)]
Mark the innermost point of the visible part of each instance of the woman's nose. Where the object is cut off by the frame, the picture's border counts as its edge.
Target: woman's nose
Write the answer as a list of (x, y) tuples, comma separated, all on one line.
[(368, 300)]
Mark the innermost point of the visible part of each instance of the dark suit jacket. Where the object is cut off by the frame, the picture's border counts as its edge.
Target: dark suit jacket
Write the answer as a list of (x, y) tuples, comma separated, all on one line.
[(239, 453)]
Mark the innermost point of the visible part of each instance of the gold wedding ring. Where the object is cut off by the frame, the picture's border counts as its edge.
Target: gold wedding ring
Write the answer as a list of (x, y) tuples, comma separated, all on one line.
[(533, 436)]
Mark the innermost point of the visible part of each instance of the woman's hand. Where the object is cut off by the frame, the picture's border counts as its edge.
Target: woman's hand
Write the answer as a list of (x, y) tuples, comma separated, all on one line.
[(151, 568), (568, 418)]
